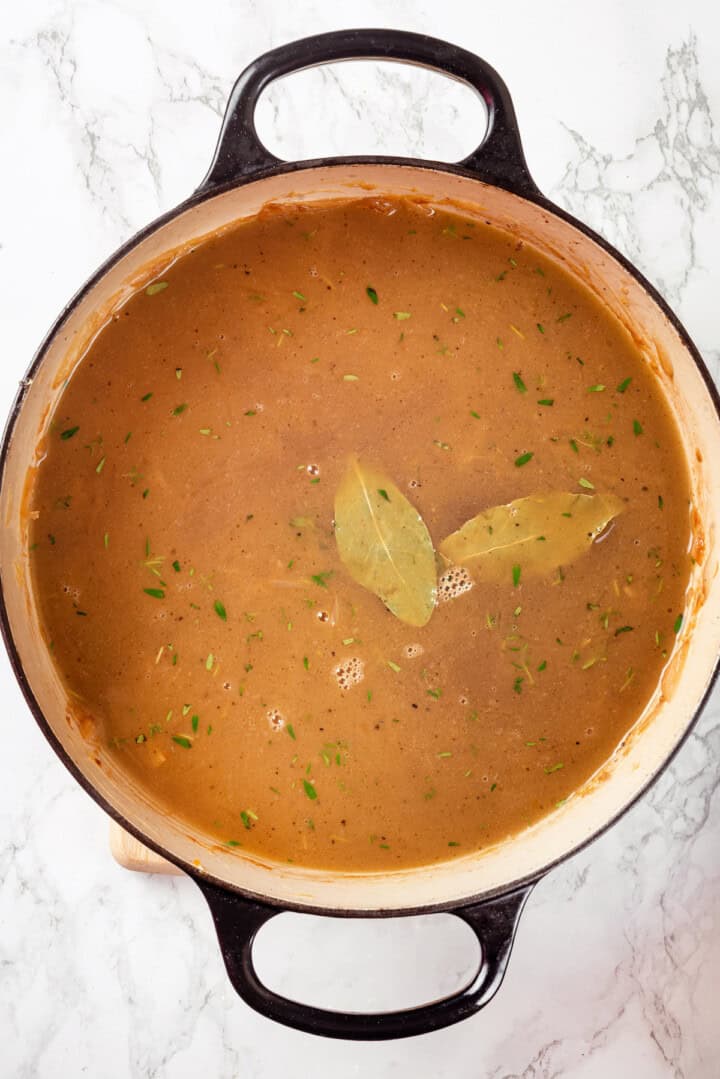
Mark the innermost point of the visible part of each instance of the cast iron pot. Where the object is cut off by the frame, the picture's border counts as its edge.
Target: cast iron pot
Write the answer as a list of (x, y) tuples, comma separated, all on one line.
[(486, 889)]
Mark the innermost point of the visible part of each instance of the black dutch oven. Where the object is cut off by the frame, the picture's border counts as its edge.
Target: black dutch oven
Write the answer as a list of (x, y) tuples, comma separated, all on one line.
[(487, 889)]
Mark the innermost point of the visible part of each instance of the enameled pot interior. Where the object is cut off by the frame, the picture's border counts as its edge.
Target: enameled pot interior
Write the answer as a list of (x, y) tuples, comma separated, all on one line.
[(690, 668)]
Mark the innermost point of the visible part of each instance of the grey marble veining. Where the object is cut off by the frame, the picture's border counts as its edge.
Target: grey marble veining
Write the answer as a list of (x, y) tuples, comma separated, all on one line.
[(109, 114)]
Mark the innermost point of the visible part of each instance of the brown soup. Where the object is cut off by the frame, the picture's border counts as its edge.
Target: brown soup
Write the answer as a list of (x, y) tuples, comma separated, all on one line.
[(235, 523)]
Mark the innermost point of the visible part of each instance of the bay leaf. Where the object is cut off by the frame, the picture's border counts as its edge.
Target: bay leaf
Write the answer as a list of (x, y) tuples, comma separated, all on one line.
[(538, 534), (384, 544)]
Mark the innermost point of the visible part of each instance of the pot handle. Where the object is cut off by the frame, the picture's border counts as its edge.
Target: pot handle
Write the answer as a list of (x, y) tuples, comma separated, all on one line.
[(498, 159), (237, 921)]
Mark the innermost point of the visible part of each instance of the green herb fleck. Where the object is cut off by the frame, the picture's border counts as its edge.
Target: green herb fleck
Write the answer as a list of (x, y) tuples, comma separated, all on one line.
[(299, 296), (393, 666), (678, 623), (309, 790), (181, 740), (156, 593), (523, 459), (547, 401), (584, 482), (549, 769), (156, 287), (637, 427), (597, 388), (100, 465), (179, 409), (519, 384), (383, 494), (146, 397), (321, 579), (69, 433), (194, 723), (516, 571), (401, 316), (372, 294), (220, 610), (624, 385)]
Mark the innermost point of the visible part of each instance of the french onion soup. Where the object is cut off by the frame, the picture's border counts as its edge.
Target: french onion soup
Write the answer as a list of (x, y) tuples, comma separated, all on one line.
[(361, 535)]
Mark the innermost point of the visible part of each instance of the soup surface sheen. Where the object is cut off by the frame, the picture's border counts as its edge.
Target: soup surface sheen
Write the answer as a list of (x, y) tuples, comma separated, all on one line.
[(190, 582)]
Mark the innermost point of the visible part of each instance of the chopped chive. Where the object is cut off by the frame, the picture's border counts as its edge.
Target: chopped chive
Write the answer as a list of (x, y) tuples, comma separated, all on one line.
[(350, 378), (401, 316), (106, 540), (542, 666), (584, 482), (597, 388), (321, 578), (232, 843), (156, 287), (523, 459), (516, 571), (250, 412), (371, 294), (474, 414), (564, 318), (146, 397), (299, 296), (100, 465), (393, 666), (499, 342), (156, 593), (637, 427), (678, 623), (661, 502), (519, 384), (209, 661), (65, 435), (624, 385), (554, 768), (436, 693), (306, 663), (127, 438), (623, 629), (181, 740), (179, 409), (176, 566), (573, 445), (547, 401), (194, 723), (383, 493), (540, 327), (220, 610), (309, 790), (291, 731)]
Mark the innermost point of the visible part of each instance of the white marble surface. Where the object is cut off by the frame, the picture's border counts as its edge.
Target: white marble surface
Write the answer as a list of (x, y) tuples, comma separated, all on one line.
[(108, 111)]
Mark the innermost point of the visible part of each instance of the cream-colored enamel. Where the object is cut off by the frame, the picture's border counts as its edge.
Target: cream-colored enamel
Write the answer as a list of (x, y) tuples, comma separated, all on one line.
[(657, 733)]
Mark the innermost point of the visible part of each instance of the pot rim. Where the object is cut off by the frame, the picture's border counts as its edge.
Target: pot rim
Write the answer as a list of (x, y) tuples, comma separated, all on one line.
[(205, 192)]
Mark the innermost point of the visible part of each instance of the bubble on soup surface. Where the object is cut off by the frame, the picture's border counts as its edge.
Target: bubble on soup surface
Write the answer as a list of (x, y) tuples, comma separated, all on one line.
[(410, 651), (313, 470), (276, 719), (453, 583), (349, 672), (414, 483)]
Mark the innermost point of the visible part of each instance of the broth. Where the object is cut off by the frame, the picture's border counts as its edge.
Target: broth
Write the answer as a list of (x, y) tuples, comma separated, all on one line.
[(191, 585)]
